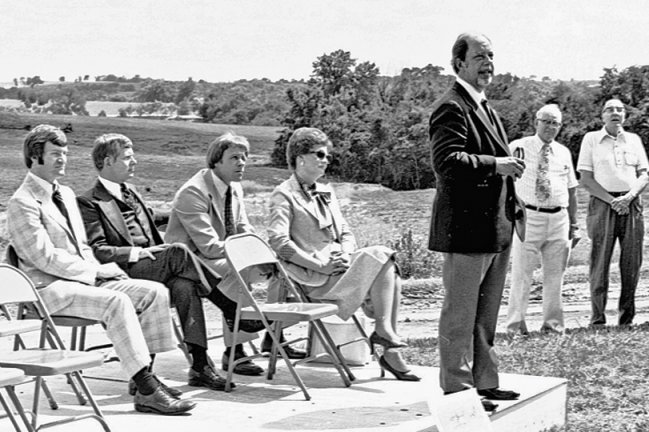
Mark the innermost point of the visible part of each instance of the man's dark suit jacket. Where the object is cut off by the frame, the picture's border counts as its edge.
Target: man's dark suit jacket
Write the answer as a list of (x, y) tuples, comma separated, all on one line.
[(107, 232), (474, 208)]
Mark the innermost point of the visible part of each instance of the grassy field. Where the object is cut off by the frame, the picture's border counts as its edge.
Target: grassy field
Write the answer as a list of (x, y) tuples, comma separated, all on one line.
[(607, 372)]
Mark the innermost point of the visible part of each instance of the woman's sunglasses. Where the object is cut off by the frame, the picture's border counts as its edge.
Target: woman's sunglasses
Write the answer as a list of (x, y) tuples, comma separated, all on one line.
[(322, 155)]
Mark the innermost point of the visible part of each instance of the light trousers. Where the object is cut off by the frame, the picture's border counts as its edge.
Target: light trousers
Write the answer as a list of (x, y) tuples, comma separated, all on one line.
[(135, 313), (546, 238)]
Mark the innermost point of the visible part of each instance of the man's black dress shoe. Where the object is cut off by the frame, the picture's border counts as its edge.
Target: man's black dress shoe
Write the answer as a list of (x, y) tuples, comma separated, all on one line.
[(292, 353), (174, 393), (498, 394), (160, 402), (244, 368), (207, 378), (248, 326), (488, 405)]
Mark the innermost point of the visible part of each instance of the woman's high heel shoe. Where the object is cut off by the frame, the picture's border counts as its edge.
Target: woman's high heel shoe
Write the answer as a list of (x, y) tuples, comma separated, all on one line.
[(401, 376), (376, 339)]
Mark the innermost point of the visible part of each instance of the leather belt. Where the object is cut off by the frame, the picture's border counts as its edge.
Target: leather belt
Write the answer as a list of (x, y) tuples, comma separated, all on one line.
[(544, 209)]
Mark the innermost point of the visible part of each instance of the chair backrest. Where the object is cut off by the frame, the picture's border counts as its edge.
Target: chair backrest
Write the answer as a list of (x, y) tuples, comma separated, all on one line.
[(248, 249), (15, 286)]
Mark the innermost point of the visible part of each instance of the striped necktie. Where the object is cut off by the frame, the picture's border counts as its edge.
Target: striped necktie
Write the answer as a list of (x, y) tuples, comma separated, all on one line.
[(229, 217)]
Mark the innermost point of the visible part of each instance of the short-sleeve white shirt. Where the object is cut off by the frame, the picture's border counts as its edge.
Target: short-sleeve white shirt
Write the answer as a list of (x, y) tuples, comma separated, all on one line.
[(614, 161), (560, 173)]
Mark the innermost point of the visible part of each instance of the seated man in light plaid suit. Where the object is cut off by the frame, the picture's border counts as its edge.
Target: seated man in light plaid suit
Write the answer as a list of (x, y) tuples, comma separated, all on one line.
[(47, 232)]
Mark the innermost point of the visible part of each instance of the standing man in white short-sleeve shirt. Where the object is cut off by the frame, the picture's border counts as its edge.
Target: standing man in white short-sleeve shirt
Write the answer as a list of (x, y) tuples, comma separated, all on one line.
[(613, 167), (548, 188)]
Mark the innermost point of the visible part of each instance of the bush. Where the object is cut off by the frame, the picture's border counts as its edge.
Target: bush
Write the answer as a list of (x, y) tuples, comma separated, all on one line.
[(414, 258)]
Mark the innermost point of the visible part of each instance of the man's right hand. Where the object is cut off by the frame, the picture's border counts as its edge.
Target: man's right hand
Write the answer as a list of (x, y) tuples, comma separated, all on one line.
[(510, 166), (110, 271)]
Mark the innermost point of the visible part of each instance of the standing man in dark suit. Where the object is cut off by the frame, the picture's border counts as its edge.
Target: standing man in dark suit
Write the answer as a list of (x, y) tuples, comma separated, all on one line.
[(473, 220), (121, 230)]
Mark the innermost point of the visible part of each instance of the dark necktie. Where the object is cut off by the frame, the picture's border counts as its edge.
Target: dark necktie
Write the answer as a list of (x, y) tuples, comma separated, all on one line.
[(58, 201), (128, 196), (491, 115), (229, 217)]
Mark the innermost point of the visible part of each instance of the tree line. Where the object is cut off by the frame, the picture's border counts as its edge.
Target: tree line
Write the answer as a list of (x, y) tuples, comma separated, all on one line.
[(378, 124)]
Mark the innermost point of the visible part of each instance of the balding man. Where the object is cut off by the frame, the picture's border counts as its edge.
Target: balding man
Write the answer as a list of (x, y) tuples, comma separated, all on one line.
[(548, 188), (473, 218), (613, 167)]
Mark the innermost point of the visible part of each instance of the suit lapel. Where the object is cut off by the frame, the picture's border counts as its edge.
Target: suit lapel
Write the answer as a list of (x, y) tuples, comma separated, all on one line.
[(108, 205), (298, 194), (214, 195), (497, 136), (45, 198)]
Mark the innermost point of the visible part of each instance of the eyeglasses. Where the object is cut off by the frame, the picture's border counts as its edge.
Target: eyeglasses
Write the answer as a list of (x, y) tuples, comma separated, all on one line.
[(322, 155), (550, 122)]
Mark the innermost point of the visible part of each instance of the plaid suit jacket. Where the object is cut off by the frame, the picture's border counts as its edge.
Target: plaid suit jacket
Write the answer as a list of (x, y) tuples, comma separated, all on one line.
[(48, 251)]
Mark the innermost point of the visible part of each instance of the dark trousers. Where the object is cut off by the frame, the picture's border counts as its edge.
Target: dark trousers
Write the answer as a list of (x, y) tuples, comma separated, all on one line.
[(605, 227), (473, 287), (175, 268)]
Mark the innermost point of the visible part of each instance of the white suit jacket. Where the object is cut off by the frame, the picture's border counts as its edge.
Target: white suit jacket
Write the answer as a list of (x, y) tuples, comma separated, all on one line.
[(47, 249), (196, 221)]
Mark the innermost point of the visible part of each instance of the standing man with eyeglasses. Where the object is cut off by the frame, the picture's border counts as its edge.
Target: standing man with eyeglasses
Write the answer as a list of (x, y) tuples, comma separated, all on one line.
[(548, 188), (613, 167), (475, 210)]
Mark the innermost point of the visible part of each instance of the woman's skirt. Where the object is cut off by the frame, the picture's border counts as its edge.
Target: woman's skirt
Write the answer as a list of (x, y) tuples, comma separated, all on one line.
[(351, 289)]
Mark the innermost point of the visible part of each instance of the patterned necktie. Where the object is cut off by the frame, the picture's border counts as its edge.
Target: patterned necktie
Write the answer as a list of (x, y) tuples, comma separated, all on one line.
[(229, 217), (128, 197), (542, 180), (58, 201)]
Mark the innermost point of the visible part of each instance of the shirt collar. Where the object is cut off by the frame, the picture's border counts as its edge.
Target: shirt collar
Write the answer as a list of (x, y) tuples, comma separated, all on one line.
[(602, 133), (220, 185), (477, 96), (113, 188), (44, 183), (539, 143)]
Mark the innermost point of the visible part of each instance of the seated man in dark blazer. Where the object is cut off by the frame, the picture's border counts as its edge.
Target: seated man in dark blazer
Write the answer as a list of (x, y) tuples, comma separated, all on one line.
[(121, 229)]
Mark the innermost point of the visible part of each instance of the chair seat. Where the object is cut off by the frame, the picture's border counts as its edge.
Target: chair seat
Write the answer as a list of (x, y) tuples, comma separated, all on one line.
[(11, 376), (70, 321), (291, 311), (15, 327), (45, 362)]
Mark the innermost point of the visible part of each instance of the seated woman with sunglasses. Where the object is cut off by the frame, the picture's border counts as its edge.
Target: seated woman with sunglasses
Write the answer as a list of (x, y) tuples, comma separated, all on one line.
[(311, 236)]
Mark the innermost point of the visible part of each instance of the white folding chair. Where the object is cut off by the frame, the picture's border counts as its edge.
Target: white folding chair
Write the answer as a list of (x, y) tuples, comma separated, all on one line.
[(246, 251), (40, 361), (9, 378)]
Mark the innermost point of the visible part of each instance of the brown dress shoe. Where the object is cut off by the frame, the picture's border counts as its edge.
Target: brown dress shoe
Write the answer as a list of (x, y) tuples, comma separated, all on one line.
[(207, 378), (160, 402)]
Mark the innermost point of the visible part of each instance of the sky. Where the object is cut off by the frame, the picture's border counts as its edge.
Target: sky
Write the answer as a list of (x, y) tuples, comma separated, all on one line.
[(223, 40)]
